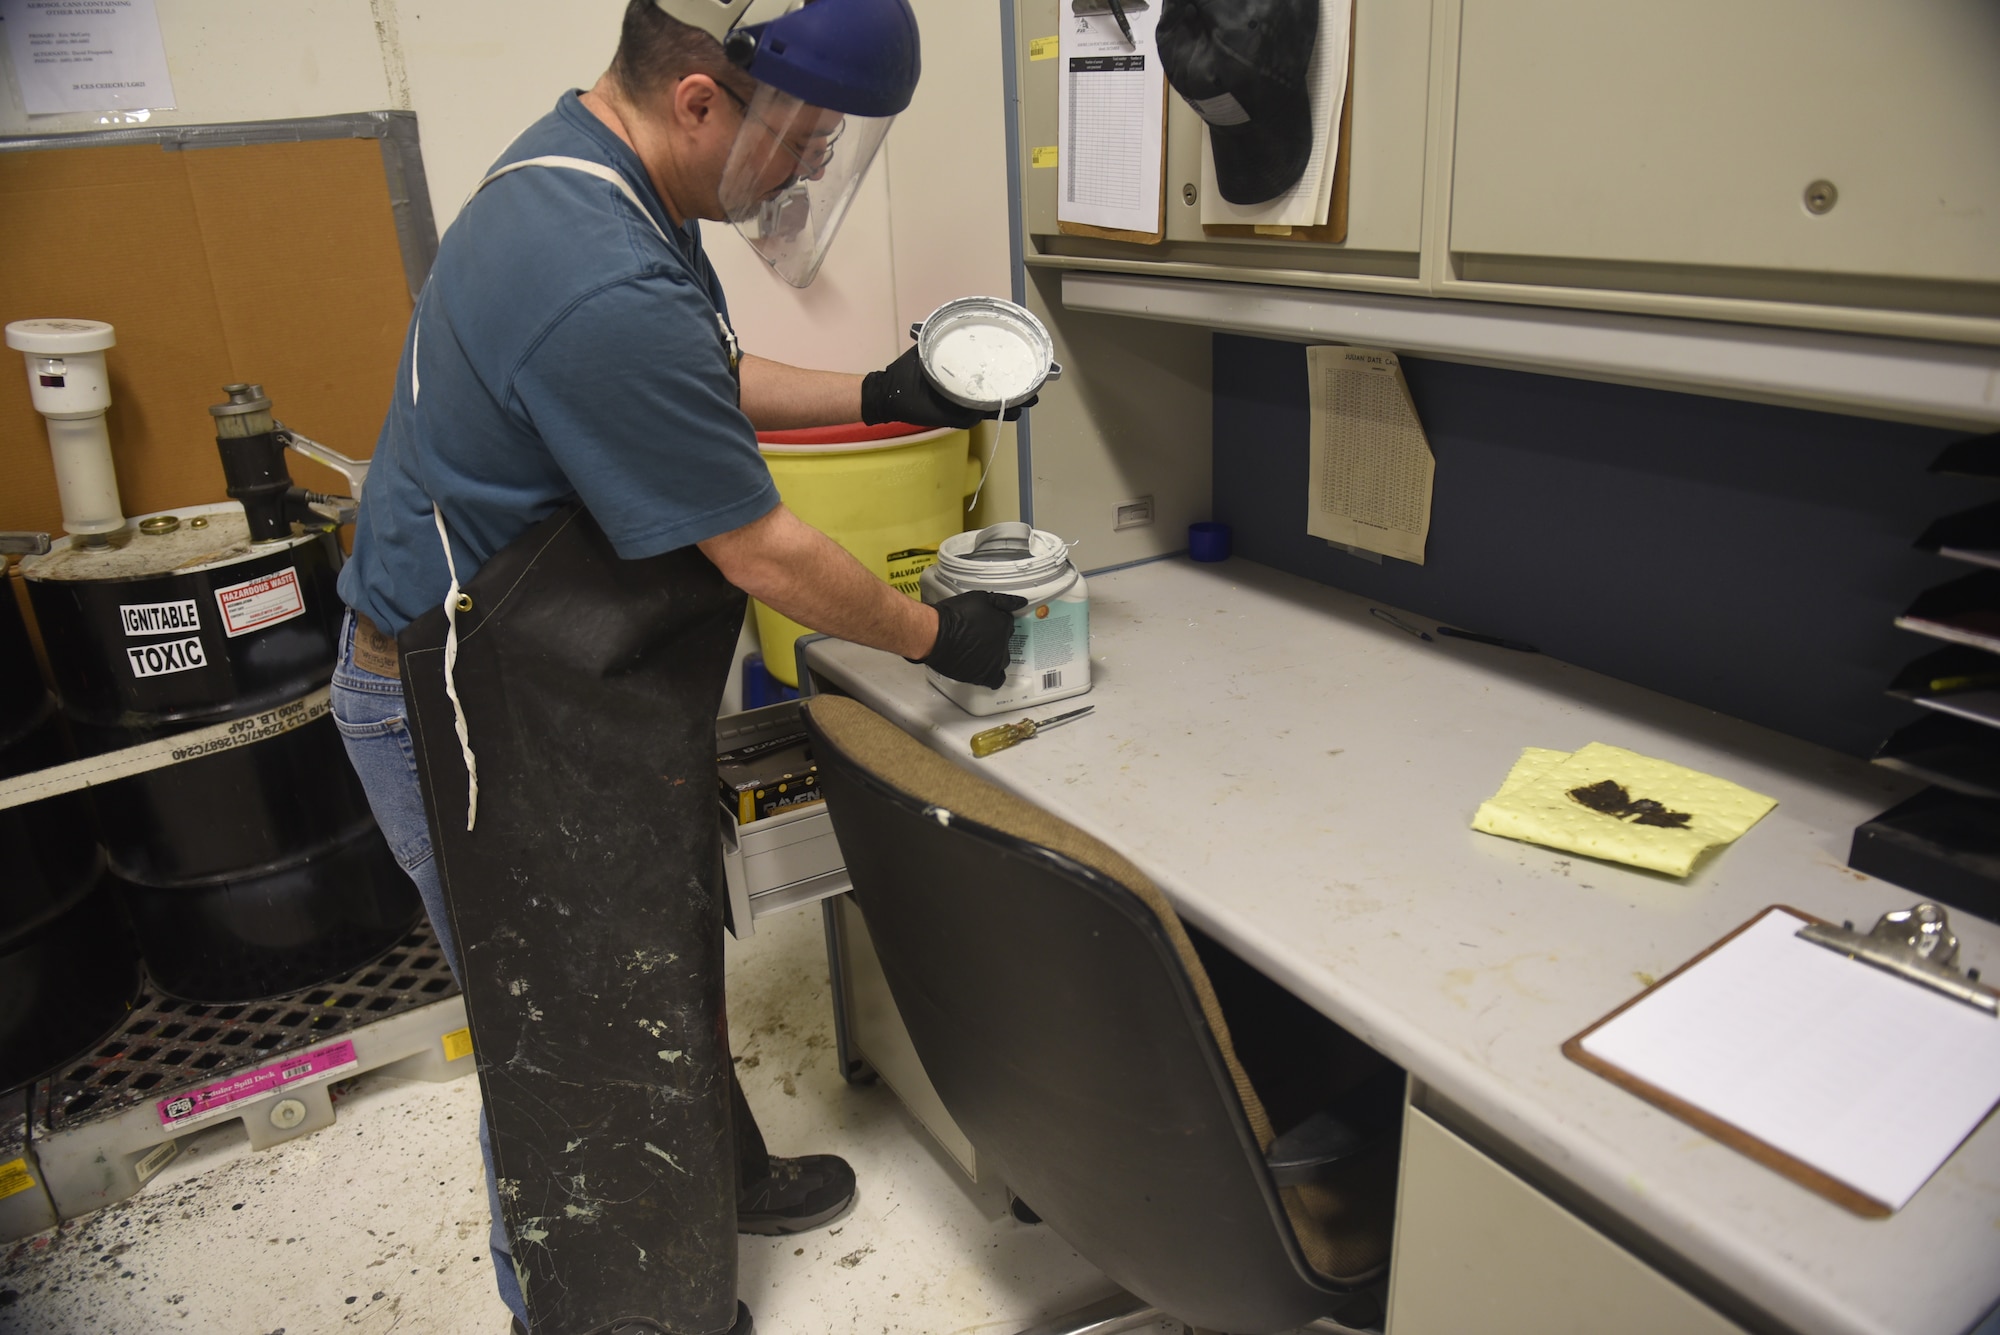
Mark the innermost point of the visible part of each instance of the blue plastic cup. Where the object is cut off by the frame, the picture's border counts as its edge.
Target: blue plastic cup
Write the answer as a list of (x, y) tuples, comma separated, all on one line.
[(1208, 541)]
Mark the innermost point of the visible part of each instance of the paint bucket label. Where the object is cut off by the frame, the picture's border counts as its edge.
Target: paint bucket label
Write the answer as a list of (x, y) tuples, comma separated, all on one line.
[(1048, 644)]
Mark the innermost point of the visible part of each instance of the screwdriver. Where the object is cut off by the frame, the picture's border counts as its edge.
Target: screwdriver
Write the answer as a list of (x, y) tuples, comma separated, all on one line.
[(1009, 734)]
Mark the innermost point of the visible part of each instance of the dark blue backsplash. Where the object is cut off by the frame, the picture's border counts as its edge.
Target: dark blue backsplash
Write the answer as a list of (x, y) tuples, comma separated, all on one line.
[(1745, 557)]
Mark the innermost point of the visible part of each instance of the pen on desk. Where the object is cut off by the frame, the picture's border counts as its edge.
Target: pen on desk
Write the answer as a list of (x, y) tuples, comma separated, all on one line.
[(1124, 25), (1383, 614), (1519, 646)]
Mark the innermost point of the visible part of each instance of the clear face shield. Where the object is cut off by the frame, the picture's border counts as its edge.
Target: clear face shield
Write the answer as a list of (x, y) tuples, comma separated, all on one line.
[(791, 175)]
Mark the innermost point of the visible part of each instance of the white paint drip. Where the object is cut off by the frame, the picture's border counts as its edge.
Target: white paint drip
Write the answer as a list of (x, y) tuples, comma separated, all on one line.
[(670, 1055), (939, 814), (986, 468), (651, 1148), (645, 961)]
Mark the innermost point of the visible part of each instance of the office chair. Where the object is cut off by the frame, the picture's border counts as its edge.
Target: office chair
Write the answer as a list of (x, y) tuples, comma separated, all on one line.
[(1070, 1028)]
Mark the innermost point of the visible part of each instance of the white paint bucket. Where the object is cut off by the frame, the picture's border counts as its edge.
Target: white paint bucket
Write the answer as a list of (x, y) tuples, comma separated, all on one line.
[(1049, 657)]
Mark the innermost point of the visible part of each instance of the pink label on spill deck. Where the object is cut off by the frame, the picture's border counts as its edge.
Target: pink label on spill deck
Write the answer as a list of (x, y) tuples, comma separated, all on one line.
[(198, 1105)]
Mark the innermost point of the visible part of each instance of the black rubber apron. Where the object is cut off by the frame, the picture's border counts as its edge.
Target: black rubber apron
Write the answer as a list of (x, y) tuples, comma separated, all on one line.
[(587, 900), (572, 708)]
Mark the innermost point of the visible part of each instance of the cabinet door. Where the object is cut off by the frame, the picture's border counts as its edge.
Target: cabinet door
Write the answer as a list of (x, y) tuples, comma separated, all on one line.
[(1689, 134), (1392, 41), (1391, 91), (1477, 1249)]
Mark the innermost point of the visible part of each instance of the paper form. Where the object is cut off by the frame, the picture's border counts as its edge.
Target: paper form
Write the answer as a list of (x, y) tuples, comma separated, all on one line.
[(1371, 467), (1110, 114), (1310, 200), (1870, 1079), (86, 55)]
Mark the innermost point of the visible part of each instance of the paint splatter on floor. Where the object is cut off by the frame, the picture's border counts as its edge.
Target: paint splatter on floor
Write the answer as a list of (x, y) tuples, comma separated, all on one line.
[(377, 1225)]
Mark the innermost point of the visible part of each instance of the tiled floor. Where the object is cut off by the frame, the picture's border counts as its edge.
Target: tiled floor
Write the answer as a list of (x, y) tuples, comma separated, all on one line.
[(378, 1223)]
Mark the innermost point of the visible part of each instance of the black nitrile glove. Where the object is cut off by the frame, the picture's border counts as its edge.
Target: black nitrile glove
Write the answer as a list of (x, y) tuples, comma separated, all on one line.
[(973, 630), (903, 392)]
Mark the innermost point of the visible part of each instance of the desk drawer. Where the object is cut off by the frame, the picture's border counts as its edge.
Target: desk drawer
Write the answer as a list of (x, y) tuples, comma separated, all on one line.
[(780, 862), (784, 860), (1477, 1249)]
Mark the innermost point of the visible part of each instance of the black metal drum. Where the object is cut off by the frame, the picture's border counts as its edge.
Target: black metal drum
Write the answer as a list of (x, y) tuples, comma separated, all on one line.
[(254, 869), (21, 691), (68, 966)]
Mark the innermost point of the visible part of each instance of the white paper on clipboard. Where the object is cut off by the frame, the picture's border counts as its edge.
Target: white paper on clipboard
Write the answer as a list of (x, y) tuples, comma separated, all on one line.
[(1110, 113), (1309, 201)]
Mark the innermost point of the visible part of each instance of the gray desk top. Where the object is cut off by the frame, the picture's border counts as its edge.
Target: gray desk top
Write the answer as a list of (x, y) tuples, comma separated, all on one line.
[(1300, 779)]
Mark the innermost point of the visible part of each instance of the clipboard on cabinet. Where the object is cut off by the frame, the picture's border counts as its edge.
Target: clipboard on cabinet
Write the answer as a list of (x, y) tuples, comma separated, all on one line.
[(1111, 118), (1854, 1064), (1334, 230)]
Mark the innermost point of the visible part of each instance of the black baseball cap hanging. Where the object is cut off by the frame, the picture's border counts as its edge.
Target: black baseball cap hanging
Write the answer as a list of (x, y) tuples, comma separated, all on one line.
[(1243, 66)]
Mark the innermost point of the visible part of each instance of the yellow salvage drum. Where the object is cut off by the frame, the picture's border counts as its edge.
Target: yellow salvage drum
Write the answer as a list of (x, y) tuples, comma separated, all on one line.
[(889, 494)]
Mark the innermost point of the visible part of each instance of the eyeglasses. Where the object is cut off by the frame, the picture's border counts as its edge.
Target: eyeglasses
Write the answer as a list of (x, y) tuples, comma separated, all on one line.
[(812, 161)]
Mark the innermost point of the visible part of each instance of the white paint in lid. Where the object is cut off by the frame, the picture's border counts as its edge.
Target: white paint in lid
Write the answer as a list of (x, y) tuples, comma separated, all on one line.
[(986, 353), (985, 363)]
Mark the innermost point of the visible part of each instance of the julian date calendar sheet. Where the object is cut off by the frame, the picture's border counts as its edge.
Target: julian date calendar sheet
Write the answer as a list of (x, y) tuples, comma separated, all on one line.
[(1111, 115)]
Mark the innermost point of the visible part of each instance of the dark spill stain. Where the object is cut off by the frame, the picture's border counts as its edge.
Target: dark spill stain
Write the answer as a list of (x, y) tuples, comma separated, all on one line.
[(1610, 797)]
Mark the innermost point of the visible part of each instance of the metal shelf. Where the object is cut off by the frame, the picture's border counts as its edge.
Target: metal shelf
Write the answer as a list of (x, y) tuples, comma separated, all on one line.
[(1910, 380)]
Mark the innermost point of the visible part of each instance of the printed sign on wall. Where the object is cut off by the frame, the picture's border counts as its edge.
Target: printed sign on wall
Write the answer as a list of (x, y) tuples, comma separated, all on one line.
[(86, 55)]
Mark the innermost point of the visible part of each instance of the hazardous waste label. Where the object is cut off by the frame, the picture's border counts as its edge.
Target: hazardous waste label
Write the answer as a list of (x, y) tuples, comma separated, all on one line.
[(157, 660), (258, 603)]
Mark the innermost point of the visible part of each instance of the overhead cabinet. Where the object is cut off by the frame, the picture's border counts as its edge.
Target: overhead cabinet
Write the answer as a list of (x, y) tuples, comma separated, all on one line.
[(1831, 164), (1385, 226), (1834, 151)]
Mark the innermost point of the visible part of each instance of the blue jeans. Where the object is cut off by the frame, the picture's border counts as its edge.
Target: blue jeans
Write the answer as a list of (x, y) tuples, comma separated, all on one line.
[(368, 710)]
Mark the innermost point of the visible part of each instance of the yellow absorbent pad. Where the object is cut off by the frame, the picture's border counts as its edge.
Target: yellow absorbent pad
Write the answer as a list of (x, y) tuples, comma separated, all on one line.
[(1607, 802)]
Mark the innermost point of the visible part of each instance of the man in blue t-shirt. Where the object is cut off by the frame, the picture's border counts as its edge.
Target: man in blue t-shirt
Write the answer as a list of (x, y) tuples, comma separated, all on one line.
[(572, 348)]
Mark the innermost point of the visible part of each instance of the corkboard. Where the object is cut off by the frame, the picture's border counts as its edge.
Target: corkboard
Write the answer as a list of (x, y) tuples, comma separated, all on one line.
[(276, 263)]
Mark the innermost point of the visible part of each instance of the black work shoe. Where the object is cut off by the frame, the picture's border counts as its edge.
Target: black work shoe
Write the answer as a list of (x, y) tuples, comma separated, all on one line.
[(797, 1195), (743, 1325)]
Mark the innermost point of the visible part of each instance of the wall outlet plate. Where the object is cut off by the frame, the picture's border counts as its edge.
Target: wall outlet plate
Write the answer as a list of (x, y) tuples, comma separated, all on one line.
[(1133, 514)]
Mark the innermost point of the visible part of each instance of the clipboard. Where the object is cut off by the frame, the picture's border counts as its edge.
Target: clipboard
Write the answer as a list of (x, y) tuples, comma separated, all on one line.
[(1844, 941), (1334, 230)]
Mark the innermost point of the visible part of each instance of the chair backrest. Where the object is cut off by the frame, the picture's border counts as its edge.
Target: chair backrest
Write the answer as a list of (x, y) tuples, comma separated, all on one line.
[(1058, 1007)]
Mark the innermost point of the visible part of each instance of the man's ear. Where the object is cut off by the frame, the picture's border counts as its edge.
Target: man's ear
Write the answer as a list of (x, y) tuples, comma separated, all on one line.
[(696, 99)]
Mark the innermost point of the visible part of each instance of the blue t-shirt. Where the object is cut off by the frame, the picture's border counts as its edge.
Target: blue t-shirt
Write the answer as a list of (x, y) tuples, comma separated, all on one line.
[(561, 349)]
